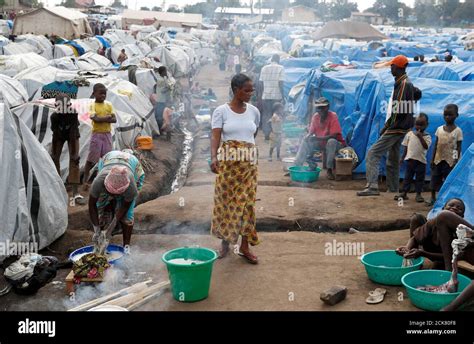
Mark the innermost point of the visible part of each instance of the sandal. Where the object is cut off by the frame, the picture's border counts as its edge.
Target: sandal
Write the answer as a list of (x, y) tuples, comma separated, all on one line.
[(430, 203), (250, 259), (402, 196), (79, 199), (376, 296)]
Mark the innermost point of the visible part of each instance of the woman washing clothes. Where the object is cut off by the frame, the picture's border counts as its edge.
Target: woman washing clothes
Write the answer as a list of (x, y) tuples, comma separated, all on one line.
[(235, 163), (114, 192), (432, 239)]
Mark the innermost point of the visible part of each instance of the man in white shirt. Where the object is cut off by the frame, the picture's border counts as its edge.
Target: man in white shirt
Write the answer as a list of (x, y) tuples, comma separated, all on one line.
[(271, 80)]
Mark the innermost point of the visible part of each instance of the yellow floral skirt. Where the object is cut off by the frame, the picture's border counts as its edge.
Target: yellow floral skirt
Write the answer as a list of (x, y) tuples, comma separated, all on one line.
[(235, 193)]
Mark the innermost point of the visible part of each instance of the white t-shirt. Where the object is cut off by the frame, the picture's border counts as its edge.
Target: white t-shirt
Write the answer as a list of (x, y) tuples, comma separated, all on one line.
[(235, 126), (415, 150)]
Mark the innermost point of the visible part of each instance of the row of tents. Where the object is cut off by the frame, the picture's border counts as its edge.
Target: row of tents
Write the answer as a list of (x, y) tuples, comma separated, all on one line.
[(34, 204)]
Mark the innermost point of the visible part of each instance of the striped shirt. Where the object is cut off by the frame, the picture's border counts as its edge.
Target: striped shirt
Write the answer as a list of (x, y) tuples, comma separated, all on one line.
[(271, 75), (402, 107)]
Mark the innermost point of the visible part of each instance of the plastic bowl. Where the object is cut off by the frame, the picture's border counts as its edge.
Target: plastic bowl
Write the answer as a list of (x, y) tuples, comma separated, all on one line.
[(294, 132), (385, 267), (304, 174), (425, 299), (75, 255)]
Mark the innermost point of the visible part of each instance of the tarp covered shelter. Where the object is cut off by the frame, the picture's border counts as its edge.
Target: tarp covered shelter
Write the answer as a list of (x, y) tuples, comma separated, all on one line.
[(459, 184), (58, 20), (349, 29), (33, 201), (167, 19), (12, 91)]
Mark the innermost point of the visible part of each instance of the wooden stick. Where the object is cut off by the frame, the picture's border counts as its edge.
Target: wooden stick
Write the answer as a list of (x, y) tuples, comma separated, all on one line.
[(129, 299), (96, 302), (143, 301)]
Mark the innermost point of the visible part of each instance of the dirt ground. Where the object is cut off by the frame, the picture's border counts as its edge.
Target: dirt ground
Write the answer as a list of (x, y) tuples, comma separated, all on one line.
[(292, 272), (294, 267)]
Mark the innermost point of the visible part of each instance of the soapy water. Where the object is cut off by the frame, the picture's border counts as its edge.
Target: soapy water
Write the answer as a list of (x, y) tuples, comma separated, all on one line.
[(183, 261)]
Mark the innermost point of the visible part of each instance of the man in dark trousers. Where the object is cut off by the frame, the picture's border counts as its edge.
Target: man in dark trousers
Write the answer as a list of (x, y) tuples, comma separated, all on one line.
[(400, 120)]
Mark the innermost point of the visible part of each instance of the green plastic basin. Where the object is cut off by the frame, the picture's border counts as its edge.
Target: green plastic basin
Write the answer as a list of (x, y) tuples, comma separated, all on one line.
[(385, 267), (304, 174), (427, 300)]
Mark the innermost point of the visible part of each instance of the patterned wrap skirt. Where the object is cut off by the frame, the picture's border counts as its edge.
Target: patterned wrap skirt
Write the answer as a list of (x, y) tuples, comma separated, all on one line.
[(235, 193)]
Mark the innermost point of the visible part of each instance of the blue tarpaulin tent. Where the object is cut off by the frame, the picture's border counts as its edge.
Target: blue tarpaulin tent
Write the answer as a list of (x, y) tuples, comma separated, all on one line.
[(446, 71), (459, 184)]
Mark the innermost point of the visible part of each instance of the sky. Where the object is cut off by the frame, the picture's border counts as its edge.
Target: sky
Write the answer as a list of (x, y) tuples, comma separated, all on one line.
[(136, 4)]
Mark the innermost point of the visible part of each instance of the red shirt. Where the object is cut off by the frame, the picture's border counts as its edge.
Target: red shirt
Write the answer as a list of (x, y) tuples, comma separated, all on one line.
[(330, 126)]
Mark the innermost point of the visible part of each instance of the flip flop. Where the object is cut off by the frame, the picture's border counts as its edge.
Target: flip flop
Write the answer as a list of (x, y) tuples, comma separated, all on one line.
[(376, 296), (250, 260), (79, 199)]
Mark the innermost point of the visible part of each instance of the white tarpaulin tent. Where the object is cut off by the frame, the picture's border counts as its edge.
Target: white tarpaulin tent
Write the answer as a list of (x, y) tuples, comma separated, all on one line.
[(61, 21), (124, 95), (37, 116), (43, 46), (17, 48), (33, 201), (12, 92), (13, 64), (88, 62), (174, 58)]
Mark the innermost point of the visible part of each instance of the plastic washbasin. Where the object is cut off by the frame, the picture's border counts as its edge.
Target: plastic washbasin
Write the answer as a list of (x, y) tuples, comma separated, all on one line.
[(304, 174), (385, 267), (294, 132), (90, 249), (427, 300)]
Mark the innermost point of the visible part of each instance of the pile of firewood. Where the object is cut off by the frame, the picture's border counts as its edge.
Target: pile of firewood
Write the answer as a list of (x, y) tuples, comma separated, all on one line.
[(130, 298)]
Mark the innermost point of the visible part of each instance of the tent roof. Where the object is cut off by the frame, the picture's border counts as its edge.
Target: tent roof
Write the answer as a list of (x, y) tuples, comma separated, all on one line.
[(244, 10), (163, 16), (59, 11), (349, 29)]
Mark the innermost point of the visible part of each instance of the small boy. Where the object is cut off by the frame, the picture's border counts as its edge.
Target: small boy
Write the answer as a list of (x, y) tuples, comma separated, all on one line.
[(65, 127), (276, 130), (102, 115), (417, 144), (447, 150)]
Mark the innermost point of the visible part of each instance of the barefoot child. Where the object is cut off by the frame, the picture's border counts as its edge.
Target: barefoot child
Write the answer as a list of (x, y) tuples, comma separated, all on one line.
[(447, 150), (102, 115), (276, 129), (416, 145), (65, 127)]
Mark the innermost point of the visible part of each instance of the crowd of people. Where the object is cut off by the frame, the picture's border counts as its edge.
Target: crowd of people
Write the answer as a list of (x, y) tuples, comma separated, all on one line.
[(236, 124)]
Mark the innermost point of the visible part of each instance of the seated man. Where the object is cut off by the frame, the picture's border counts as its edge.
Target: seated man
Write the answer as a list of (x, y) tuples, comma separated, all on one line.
[(324, 134)]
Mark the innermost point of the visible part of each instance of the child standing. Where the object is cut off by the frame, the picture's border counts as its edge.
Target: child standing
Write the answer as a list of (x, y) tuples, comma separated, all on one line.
[(65, 128), (447, 150), (102, 115), (276, 130), (417, 144)]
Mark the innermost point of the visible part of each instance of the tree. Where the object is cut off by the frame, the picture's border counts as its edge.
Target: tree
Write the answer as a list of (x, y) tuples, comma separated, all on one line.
[(394, 10), (144, 8), (426, 14), (156, 9), (69, 3), (174, 9), (341, 9), (117, 4), (464, 12), (447, 9), (205, 8)]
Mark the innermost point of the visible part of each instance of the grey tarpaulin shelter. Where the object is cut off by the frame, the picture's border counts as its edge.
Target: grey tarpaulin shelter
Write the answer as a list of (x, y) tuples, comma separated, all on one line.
[(349, 29), (33, 201)]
